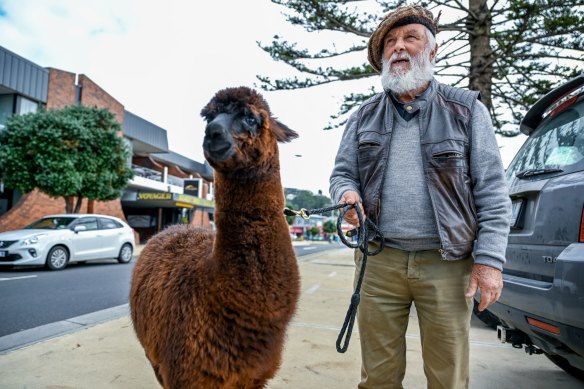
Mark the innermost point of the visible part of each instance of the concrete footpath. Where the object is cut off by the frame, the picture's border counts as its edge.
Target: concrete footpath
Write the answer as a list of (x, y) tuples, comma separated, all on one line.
[(101, 351)]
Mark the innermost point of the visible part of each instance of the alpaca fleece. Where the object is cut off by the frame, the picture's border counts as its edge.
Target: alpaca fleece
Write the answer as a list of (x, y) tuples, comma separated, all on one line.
[(211, 308)]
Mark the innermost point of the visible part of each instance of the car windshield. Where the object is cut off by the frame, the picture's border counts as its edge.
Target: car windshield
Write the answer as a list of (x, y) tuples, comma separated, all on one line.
[(51, 223), (553, 146)]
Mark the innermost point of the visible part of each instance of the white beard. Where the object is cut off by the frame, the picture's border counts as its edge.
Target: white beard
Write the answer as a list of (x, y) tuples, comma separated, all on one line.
[(421, 71)]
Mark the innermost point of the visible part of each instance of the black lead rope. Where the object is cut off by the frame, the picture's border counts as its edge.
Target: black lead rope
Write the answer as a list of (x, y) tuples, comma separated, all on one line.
[(362, 244)]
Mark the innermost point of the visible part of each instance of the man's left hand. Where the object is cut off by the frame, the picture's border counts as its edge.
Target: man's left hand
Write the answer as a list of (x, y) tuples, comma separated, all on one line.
[(489, 280)]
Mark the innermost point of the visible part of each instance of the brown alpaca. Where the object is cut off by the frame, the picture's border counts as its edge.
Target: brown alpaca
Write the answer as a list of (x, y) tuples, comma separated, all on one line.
[(211, 309)]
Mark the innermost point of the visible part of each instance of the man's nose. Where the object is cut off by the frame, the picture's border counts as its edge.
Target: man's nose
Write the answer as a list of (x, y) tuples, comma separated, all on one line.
[(400, 45)]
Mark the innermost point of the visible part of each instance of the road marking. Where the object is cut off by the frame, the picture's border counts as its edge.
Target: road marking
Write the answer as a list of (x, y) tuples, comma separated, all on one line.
[(313, 289), (309, 248), (16, 278), (333, 273)]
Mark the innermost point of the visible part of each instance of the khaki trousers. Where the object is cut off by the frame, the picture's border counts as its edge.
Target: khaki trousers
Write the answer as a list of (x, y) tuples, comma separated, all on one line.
[(393, 280)]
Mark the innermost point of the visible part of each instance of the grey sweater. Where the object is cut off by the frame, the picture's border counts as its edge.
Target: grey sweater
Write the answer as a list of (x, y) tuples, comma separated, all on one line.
[(407, 220)]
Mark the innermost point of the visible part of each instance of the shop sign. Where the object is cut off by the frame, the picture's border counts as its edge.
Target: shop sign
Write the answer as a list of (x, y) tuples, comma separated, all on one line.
[(193, 187), (185, 198), (155, 196)]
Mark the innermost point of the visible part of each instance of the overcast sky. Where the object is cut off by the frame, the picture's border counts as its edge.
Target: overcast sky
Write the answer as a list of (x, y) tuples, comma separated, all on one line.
[(164, 61)]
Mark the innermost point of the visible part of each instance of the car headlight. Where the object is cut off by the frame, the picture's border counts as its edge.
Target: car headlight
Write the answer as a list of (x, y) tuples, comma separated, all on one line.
[(32, 240)]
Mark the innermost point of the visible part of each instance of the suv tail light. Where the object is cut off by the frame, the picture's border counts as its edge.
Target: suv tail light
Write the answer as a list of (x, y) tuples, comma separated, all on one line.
[(543, 326)]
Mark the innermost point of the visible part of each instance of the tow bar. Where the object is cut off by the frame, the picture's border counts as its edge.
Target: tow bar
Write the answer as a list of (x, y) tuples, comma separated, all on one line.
[(508, 335), (517, 339)]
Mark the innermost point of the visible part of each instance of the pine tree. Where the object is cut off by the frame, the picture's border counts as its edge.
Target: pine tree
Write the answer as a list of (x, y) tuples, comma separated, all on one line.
[(511, 51)]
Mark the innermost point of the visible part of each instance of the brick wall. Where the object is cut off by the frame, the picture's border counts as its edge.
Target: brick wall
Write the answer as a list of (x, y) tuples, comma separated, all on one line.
[(93, 95), (61, 90)]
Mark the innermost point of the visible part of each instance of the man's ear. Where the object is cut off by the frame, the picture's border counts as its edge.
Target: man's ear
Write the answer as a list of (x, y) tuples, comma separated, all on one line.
[(433, 53)]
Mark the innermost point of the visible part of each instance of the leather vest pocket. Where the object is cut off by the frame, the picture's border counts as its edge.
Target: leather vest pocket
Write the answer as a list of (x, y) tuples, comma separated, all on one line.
[(372, 147), (449, 175), (369, 146), (368, 139), (449, 154)]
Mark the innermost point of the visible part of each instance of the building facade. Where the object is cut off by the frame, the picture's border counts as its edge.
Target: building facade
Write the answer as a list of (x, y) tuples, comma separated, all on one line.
[(158, 172)]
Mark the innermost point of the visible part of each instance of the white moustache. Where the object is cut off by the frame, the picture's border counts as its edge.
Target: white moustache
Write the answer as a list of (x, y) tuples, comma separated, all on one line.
[(398, 56)]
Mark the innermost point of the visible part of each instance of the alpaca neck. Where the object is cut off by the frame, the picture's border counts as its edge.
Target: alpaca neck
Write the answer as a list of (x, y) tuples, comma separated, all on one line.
[(263, 195), (244, 206)]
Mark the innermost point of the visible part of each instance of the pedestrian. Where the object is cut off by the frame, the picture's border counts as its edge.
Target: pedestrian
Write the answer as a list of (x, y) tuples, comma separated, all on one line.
[(422, 160)]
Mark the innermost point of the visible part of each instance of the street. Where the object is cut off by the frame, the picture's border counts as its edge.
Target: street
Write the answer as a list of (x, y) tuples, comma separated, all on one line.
[(50, 296), (32, 297)]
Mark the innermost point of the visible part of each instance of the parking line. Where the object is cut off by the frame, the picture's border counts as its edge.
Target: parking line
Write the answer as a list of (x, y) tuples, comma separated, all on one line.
[(16, 278)]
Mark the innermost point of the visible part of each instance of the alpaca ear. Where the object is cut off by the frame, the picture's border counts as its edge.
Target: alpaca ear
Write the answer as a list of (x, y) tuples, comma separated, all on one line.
[(282, 132)]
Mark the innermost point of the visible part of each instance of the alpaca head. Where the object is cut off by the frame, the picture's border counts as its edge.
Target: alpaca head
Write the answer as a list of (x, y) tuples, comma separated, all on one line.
[(241, 134)]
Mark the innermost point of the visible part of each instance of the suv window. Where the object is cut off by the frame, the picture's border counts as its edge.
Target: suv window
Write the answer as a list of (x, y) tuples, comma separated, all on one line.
[(556, 144), (108, 224)]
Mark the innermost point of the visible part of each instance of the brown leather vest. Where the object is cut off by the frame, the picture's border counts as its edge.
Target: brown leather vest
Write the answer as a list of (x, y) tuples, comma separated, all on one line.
[(445, 134)]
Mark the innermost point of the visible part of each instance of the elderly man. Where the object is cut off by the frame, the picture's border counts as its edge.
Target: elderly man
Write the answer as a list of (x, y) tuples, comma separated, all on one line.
[(423, 161)]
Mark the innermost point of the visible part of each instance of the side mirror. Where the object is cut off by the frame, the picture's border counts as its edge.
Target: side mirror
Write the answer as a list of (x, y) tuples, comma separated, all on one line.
[(79, 228)]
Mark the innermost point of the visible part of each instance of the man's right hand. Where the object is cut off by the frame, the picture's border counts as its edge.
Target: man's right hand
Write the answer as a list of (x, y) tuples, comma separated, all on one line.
[(352, 197)]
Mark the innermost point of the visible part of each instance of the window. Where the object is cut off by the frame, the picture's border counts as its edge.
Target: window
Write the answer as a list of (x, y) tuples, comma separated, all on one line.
[(108, 224), (557, 143), (6, 108), (141, 221), (24, 106), (89, 222), (53, 223)]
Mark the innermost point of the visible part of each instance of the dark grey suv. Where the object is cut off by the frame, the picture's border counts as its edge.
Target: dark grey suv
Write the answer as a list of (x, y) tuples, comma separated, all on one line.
[(542, 305)]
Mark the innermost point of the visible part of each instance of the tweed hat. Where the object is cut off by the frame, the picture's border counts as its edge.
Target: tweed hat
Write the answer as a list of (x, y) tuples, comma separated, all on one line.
[(399, 17)]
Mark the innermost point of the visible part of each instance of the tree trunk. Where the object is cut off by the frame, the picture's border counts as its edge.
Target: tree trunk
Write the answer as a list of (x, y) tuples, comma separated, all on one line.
[(78, 205), (481, 67), (90, 206), (67, 204)]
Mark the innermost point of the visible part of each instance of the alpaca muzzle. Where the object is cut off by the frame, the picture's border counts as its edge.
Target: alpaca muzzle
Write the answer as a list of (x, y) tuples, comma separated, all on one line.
[(218, 143)]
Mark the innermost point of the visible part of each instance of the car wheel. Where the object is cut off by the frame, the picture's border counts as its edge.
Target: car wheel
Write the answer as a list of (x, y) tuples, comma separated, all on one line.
[(485, 316), (58, 258), (565, 365), (125, 253)]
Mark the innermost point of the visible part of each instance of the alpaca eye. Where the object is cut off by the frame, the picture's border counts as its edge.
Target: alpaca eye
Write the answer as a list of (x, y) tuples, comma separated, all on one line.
[(250, 121)]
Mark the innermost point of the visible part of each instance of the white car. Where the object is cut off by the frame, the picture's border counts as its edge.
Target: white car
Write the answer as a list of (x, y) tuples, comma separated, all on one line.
[(56, 240)]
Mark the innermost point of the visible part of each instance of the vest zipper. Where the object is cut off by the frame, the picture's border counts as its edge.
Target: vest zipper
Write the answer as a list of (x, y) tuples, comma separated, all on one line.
[(425, 163)]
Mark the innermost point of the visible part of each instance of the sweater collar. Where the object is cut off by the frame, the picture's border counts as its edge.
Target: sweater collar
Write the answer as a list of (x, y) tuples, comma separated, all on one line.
[(420, 102)]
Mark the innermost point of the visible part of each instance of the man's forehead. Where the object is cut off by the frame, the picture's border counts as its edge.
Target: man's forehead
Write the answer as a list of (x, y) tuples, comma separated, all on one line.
[(414, 28)]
